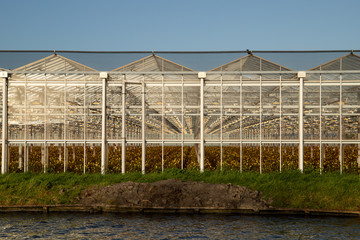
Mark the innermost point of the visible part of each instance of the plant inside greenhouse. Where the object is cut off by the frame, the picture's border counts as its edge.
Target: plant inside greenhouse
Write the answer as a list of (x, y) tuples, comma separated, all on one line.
[(117, 112)]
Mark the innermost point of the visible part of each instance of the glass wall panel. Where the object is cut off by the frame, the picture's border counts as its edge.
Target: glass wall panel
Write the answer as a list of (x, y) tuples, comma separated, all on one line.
[(114, 112), (93, 99), (75, 127), (231, 97), (251, 157), (35, 125), (55, 127), (311, 100), (290, 99), (311, 127), (173, 127), (351, 127), (153, 158), (16, 112), (270, 158), (251, 99), (351, 155), (290, 127), (251, 127), (114, 158), (270, 127), (114, 127), (312, 156), (191, 96), (331, 127), (1, 107), (212, 158), (331, 157), (93, 127), (154, 127), (16, 126), (330, 97), (231, 128), (213, 127), (172, 96), (351, 99), (289, 156), (172, 156), (192, 127), (133, 127)]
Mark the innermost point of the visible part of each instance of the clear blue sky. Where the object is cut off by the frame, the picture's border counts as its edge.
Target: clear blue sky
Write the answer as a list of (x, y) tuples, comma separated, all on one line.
[(179, 25)]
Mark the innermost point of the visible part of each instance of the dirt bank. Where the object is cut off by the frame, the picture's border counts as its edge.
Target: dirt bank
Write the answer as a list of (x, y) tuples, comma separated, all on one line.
[(174, 194)]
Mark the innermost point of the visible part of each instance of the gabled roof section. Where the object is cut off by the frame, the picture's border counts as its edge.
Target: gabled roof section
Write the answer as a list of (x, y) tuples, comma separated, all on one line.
[(251, 63), (348, 62), (55, 63), (152, 63)]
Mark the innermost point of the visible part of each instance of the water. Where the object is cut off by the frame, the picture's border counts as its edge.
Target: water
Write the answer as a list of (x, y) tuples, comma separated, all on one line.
[(173, 226)]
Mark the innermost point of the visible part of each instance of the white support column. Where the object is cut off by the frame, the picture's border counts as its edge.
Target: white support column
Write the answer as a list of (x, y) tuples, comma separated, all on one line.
[(26, 157), (301, 76), (241, 124), (221, 123), (182, 122), (66, 160), (123, 129), (104, 77), (162, 121), (20, 165), (281, 123), (202, 76), (321, 126), (341, 149), (46, 157), (85, 126), (260, 125), (143, 142), (4, 139)]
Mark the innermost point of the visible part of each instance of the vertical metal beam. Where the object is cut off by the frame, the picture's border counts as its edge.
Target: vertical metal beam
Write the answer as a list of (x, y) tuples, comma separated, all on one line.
[(341, 126), (123, 124), (66, 157), (221, 123), (103, 77), (45, 127), (202, 76), (26, 148), (4, 139), (182, 121), (20, 157), (46, 157), (162, 122), (260, 123), (143, 141), (280, 130), (321, 125), (301, 76), (65, 126), (85, 126), (241, 123), (26, 159)]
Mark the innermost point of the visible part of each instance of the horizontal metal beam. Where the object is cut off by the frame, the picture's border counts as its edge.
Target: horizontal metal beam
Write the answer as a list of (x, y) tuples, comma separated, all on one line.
[(181, 52), (209, 73)]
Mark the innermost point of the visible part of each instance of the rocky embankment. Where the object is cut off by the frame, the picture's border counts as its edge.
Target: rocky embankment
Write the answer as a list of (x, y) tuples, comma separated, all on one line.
[(174, 194)]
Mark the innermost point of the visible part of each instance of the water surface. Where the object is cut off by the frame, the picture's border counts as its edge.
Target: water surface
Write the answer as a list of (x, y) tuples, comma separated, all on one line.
[(173, 226)]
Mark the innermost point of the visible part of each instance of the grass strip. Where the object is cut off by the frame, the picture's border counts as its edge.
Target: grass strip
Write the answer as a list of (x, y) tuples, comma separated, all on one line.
[(289, 189)]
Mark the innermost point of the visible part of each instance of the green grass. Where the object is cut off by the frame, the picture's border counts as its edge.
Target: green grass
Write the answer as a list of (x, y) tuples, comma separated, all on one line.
[(290, 189)]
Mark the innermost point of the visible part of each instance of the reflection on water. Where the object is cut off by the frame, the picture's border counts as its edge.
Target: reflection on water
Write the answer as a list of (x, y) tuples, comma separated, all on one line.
[(172, 226)]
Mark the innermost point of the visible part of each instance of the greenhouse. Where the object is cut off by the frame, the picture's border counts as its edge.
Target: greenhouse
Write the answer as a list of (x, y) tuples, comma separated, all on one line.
[(148, 113)]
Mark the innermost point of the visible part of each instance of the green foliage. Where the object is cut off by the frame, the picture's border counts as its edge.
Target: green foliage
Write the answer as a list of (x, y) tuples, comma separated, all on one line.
[(287, 189)]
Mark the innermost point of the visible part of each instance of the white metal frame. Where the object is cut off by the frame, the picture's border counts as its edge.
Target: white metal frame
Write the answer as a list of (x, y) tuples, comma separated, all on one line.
[(187, 79)]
